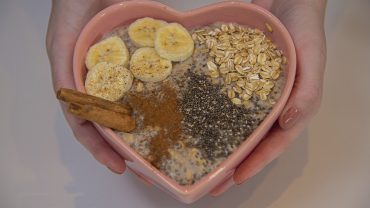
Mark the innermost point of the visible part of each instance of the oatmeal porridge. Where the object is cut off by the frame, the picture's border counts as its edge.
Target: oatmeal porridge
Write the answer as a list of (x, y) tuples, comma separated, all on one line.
[(195, 95)]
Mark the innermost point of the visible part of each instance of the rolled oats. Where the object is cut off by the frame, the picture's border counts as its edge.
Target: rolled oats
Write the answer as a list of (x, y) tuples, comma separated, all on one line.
[(268, 26), (214, 74), (245, 96), (244, 59), (211, 66), (237, 89), (236, 101), (275, 74), (224, 70), (240, 83), (265, 75), (230, 93)]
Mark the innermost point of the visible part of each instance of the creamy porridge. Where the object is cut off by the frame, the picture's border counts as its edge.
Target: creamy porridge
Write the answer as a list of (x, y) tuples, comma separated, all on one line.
[(209, 103)]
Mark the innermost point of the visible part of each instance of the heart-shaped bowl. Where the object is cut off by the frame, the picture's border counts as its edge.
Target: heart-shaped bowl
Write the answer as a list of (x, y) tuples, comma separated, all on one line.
[(230, 11)]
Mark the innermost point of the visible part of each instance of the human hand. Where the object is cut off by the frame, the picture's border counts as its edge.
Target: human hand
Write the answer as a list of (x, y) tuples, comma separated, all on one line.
[(67, 19), (304, 20)]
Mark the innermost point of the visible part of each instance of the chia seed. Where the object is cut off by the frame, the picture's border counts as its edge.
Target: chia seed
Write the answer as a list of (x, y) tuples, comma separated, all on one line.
[(212, 126), (210, 116)]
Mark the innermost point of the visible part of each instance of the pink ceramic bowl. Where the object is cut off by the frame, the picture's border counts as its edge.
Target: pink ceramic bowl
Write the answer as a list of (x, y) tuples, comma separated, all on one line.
[(242, 13)]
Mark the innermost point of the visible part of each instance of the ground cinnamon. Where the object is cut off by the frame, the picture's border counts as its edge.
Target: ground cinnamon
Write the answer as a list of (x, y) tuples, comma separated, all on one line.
[(161, 110)]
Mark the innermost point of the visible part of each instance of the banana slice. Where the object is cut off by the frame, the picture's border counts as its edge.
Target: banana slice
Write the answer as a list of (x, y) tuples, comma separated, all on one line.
[(146, 65), (111, 50), (142, 31), (174, 42), (108, 81)]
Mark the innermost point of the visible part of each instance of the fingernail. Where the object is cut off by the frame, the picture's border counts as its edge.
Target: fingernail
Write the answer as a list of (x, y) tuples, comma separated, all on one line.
[(290, 118), (114, 171), (239, 181)]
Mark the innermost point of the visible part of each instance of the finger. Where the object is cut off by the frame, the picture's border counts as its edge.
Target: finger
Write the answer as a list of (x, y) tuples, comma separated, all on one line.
[(270, 148), (84, 131), (220, 189), (307, 91), (60, 46), (304, 101), (61, 62), (309, 39), (106, 3), (91, 139), (263, 3)]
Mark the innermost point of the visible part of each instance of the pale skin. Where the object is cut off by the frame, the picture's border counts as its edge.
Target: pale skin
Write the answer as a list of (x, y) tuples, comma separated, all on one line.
[(303, 18)]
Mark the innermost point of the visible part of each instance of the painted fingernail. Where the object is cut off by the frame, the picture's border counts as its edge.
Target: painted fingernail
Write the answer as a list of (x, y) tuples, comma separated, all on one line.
[(239, 179), (290, 118), (114, 171)]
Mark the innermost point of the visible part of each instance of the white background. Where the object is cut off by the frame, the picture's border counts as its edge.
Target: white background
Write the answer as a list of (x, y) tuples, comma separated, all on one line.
[(41, 164)]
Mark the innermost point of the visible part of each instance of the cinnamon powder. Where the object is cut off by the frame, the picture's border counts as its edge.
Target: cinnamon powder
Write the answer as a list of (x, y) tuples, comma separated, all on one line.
[(161, 110)]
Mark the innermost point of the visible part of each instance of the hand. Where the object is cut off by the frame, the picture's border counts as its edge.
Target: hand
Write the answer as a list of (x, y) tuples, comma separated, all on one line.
[(67, 19), (304, 20)]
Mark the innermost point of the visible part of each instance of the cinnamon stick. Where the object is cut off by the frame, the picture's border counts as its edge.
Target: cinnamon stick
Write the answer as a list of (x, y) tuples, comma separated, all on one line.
[(107, 118), (73, 96)]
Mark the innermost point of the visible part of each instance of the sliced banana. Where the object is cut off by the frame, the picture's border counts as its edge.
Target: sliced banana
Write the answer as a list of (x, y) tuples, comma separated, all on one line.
[(143, 30), (174, 42), (146, 65), (111, 50), (108, 81)]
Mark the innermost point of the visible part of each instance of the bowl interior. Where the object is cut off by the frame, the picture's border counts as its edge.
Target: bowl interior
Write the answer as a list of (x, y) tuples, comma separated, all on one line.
[(238, 12)]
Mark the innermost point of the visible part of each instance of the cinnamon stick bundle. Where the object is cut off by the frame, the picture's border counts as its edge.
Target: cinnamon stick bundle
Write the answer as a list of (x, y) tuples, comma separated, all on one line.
[(104, 117), (73, 96), (104, 112)]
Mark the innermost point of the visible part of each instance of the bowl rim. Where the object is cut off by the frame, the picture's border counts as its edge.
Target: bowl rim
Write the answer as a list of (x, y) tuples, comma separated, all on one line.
[(252, 138)]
